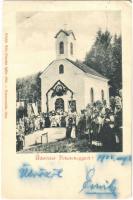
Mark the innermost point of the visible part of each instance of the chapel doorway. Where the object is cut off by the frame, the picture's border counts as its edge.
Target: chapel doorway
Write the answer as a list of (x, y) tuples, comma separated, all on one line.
[(59, 104)]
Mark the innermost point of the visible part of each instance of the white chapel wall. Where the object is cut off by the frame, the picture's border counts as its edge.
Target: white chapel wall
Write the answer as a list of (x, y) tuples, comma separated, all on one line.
[(73, 78), (97, 84)]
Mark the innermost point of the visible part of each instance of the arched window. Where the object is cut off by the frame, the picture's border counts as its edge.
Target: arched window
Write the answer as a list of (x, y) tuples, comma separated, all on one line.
[(92, 95), (61, 69), (61, 48), (71, 48), (102, 95)]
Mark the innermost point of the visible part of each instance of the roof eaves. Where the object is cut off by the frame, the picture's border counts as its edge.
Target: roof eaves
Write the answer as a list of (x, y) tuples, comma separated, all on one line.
[(94, 71), (81, 65), (98, 77), (74, 63), (61, 31), (66, 32), (46, 68)]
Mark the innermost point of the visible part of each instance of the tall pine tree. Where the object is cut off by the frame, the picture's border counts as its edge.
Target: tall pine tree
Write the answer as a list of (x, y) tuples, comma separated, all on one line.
[(105, 57)]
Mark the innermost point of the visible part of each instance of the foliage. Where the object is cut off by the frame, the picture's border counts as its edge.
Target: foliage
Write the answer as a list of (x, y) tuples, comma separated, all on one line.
[(29, 88), (105, 57)]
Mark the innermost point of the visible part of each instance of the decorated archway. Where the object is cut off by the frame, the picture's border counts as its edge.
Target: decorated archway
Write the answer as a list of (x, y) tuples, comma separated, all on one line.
[(58, 92)]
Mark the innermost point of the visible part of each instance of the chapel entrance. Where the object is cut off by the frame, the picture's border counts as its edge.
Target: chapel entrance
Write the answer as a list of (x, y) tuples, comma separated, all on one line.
[(58, 96), (59, 104)]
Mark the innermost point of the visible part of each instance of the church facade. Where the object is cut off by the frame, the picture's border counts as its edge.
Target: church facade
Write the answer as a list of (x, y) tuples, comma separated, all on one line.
[(70, 85)]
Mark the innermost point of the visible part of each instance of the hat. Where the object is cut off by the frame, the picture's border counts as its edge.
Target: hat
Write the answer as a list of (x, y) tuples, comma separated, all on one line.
[(107, 109)]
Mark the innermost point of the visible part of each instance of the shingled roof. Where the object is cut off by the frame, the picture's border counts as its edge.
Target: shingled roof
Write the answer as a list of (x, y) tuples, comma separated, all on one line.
[(86, 68), (65, 32)]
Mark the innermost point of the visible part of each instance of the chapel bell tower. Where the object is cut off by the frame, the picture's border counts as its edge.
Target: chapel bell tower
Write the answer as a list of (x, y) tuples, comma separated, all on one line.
[(65, 44)]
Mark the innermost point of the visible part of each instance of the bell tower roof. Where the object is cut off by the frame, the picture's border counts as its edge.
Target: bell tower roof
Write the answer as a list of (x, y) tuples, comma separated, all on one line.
[(66, 32)]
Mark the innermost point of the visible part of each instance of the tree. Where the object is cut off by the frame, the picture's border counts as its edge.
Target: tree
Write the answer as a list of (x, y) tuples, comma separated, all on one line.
[(29, 88), (116, 63), (105, 57)]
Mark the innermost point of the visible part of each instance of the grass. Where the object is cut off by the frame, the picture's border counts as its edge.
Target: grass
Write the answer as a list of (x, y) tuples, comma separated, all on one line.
[(60, 146)]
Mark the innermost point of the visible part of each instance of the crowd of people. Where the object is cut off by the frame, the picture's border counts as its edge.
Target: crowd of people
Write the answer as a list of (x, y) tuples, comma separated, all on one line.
[(100, 124)]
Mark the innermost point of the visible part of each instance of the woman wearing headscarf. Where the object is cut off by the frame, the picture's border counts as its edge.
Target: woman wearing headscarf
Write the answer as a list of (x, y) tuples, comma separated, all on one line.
[(69, 124), (118, 127), (108, 136), (81, 126), (47, 121)]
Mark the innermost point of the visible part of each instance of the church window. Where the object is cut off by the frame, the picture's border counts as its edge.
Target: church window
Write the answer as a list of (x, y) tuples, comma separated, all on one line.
[(61, 69), (102, 94), (71, 48), (61, 47), (92, 95)]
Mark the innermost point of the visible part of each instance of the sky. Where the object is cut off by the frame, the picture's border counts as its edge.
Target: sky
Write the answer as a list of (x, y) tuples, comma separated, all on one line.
[(35, 31)]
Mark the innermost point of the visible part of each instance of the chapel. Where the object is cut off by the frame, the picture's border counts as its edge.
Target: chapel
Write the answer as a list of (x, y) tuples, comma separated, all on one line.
[(67, 84)]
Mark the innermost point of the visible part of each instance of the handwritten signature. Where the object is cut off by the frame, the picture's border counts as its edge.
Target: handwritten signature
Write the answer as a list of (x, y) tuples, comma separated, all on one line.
[(26, 171), (91, 188), (123, 159)]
